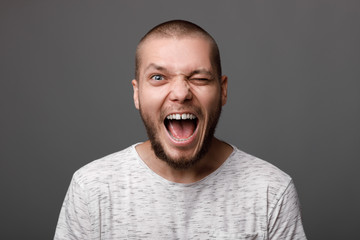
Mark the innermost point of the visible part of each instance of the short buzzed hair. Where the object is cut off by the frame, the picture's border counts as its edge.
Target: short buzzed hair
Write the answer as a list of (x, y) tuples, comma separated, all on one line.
[(180, 28)]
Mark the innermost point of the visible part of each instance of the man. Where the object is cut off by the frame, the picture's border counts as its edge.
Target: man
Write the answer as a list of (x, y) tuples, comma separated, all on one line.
[(182, 183)]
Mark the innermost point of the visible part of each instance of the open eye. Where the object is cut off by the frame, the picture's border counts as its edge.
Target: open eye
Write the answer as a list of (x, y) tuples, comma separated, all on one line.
[(157, 77)]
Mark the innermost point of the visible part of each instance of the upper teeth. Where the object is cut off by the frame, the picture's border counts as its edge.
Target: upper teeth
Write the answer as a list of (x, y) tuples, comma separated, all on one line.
[(183, 116)]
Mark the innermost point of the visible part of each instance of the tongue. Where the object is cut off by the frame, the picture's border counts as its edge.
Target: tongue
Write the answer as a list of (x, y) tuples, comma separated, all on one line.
[(181, 129)]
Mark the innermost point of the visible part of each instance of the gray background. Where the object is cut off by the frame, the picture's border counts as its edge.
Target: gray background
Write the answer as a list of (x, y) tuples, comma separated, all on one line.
[(66, 97)]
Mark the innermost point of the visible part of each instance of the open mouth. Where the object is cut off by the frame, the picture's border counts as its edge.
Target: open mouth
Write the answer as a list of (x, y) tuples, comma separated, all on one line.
[(181, 127)]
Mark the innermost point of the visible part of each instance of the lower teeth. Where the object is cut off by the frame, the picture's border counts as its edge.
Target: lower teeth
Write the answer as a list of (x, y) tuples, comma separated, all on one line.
[(179, 139)]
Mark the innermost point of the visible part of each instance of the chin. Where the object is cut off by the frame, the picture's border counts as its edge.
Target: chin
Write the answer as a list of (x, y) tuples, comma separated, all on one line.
[(176, 161)]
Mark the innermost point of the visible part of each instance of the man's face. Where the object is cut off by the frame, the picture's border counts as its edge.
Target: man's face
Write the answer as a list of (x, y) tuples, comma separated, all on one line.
[(179, 97)]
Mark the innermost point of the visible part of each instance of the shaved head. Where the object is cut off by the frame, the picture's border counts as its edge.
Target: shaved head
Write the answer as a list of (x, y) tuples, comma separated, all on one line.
[(179, 29)]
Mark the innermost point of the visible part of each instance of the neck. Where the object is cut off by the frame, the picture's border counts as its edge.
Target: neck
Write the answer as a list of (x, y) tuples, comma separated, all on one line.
[(218, 153)]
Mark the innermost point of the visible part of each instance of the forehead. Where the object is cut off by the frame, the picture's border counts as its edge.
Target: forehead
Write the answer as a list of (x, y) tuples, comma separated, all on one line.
[(175, 53)]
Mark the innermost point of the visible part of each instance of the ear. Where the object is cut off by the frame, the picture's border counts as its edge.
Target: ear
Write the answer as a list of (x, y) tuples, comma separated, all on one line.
[(224, 85), (135, 84)]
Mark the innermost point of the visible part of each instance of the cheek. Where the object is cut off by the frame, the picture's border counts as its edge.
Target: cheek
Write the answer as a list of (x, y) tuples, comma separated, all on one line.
[(209, 99), (151, 99)]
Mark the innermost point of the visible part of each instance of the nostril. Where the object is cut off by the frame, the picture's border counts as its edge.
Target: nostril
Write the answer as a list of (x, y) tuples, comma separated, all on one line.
[(181, 91)]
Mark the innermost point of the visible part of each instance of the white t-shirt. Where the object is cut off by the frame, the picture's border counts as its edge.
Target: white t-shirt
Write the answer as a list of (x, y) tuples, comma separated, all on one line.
[(120, 197)]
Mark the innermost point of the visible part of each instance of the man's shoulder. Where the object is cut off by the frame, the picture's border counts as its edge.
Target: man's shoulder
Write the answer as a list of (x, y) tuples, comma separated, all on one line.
[(252, 169), (106, 168)]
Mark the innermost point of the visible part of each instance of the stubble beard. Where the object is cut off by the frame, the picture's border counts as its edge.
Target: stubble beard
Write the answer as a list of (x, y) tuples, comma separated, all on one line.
[(181, 163)]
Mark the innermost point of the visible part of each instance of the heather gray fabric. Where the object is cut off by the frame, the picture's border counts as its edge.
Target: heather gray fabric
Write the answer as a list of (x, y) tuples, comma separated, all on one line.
[(119, 197)]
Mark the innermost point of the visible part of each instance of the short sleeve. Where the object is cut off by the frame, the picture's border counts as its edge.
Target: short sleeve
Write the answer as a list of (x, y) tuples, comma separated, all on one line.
[(74, 220), (284, 221)]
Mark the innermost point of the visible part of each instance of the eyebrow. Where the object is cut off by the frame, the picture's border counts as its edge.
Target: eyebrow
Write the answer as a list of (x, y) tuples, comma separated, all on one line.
[(157, 67), (202, 71)]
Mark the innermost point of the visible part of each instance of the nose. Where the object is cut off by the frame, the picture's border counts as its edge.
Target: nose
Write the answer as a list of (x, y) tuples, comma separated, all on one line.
[(180, 90)]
